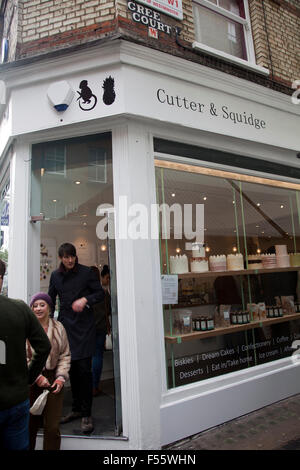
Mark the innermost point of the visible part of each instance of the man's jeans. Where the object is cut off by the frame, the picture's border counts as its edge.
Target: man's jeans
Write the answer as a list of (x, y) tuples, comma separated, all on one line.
[(97, 361), (14, 426)]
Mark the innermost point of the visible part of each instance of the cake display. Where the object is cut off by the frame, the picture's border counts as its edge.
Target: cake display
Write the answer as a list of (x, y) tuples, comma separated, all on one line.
[(254, 262), (282, 257), (217, 263), (295, 259), (179, 264), (269, 261), (235, 262), (199, 263)]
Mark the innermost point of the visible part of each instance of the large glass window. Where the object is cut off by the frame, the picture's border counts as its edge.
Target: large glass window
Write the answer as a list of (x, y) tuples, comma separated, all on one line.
[(237, 270), (4, 227), (223, 26)]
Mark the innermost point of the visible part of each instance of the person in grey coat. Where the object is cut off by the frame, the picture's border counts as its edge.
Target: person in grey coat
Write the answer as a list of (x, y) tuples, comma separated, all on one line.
[(78, 289)]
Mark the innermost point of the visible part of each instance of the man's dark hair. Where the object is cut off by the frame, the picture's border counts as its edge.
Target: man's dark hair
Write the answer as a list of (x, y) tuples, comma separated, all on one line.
[(2, 268), (66, 249), (105, 270)]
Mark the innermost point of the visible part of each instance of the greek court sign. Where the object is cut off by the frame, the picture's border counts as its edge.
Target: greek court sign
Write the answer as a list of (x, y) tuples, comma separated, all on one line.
[(168, 7)]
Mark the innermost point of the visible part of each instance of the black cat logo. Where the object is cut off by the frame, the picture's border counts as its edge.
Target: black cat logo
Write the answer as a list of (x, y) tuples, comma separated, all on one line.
[(87, 100), (109, 94)]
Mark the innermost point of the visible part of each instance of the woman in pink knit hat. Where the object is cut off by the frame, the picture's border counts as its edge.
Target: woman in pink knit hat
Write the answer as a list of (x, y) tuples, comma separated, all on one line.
[(53, 377)]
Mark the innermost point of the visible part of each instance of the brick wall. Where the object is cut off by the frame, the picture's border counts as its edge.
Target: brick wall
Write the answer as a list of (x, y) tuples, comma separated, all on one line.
[(53, 24), (276, 35), (41, 26)]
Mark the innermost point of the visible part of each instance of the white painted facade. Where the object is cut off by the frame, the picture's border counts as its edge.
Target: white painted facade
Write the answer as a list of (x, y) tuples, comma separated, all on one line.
[(152, 415)]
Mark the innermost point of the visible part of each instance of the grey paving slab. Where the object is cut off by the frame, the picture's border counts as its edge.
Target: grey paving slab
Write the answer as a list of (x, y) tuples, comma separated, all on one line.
[(274, 427)]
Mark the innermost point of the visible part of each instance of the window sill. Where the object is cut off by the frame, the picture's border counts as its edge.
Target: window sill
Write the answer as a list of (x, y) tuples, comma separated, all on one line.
[(229, 58)]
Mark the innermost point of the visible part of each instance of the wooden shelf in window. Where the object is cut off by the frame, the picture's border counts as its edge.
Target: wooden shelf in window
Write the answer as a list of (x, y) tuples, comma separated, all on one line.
[(237, 273), (231, 329)]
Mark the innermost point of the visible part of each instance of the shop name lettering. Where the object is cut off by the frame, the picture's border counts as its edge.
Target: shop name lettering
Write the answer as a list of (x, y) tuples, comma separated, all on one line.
[(224, 112), (148, 17)]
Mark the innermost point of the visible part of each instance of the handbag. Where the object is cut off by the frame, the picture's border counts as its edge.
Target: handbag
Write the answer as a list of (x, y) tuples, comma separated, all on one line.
[(108, 342), (38, 406)]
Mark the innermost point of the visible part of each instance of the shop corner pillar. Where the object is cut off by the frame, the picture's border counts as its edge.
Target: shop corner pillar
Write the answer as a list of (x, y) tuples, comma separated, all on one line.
[(19, 221), (139, 305)]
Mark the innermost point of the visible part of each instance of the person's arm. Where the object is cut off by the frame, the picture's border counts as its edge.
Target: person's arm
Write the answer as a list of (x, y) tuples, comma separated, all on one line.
[(40, 343), (97, 294), (63, 363), (52, 292)]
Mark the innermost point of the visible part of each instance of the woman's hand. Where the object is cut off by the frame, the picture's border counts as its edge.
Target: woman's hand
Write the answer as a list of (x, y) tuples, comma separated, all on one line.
[(57, 386), (41, 381)]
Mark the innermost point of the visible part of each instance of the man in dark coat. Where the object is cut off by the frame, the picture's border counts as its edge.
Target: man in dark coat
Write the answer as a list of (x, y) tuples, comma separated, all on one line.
[(78, 289), (17, 325)]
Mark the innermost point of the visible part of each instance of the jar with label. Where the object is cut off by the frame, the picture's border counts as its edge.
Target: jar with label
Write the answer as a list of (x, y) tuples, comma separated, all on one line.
[(197, 324), (271, 312), (245, 317), (203, 324), (240, 318), (234, 318), (275, 311), (210, 323)]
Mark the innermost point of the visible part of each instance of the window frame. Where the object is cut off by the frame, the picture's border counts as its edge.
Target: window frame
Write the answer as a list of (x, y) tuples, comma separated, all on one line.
[(250, 62)]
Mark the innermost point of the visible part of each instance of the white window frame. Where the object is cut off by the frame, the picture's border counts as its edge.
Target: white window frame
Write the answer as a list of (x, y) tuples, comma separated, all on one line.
[(245, 22), (54, 172), (94, 165)]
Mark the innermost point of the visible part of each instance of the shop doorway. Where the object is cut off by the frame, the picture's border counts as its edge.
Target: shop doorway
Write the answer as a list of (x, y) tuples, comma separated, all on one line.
[(71, 182)]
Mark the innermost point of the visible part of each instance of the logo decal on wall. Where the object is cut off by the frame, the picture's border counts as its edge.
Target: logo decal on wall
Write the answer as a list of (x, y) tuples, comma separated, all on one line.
[(87, 100), (109, 94)]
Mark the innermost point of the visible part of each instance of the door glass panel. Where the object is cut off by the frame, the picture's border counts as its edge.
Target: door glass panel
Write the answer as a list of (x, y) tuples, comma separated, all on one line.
[(71, 180), (4, 228)]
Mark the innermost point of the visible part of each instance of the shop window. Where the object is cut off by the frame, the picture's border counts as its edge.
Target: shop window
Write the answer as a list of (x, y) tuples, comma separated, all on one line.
[(4, 226), (232, 300), (222, 27), (97, 165)]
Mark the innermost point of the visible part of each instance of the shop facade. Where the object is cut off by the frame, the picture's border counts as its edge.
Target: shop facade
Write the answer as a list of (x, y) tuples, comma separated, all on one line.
[(115, 130)]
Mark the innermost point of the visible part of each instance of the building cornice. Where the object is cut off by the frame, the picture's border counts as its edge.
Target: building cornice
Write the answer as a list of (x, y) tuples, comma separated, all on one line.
[(115, 52)]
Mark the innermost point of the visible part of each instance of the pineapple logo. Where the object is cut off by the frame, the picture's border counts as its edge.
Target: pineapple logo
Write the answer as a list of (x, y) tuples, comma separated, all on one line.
[(109, 94)]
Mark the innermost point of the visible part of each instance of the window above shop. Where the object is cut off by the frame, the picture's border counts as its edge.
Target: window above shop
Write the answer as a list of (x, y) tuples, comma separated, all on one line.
[(223, 29)]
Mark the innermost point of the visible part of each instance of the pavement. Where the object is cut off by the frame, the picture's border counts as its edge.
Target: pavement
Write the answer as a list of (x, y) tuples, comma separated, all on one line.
[(274, 427)]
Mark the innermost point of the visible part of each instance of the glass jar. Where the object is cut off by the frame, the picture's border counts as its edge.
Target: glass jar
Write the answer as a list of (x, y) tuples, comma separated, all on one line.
[(210, 323), (203, 324)]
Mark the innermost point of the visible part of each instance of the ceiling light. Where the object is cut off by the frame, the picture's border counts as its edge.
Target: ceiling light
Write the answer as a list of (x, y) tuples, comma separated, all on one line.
[(282, 206), (173, 194), (258, 204), (54, 200), (77, 182), (204, 199)]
